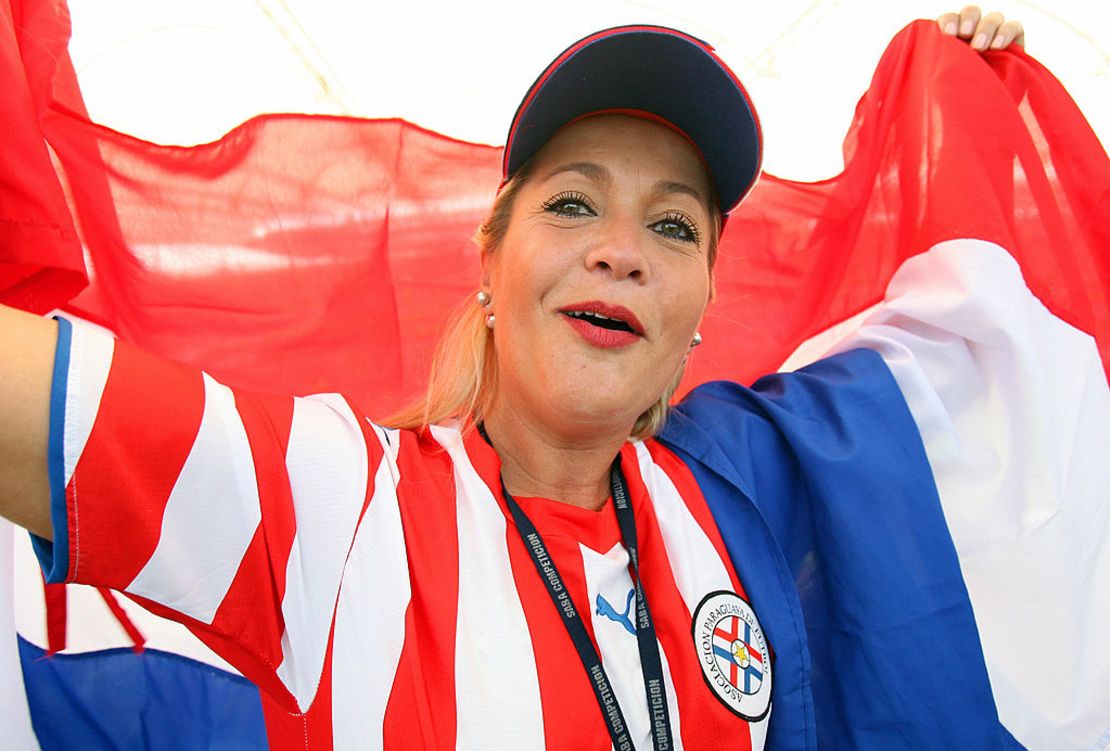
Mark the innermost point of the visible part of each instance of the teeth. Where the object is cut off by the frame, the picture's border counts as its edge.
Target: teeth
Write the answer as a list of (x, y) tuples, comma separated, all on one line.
[(597, 319)]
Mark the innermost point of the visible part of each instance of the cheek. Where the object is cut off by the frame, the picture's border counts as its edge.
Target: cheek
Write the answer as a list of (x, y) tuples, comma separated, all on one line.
[(508, 277), (514, 292), (527, 273), (518, 291), (687, 300)]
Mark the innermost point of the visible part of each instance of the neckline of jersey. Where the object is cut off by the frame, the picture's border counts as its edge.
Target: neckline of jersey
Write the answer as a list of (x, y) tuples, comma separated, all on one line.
[(598, 530)]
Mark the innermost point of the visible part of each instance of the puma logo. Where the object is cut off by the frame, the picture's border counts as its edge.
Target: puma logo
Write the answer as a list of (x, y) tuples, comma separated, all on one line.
[(607, 610)]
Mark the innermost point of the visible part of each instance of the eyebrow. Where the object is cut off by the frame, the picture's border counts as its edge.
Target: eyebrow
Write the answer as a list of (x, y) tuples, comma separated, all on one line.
[(665, 187), (594, 172), (602, 176)]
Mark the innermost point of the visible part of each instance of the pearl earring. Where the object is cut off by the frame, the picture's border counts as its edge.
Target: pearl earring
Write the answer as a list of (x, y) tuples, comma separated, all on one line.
[(482, 298), (697, 339), (490, 320)]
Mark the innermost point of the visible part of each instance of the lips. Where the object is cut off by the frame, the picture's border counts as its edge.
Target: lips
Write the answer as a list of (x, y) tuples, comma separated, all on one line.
[(604, 325)]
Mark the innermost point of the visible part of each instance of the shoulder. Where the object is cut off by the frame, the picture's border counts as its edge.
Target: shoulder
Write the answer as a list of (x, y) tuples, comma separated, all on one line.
[(839, 423), (853, 386)]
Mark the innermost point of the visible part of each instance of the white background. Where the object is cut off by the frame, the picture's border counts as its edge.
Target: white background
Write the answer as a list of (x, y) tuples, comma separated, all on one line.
[(176, 72)]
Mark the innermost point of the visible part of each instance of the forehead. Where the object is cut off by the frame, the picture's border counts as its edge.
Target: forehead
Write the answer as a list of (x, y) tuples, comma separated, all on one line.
[(625, 145)]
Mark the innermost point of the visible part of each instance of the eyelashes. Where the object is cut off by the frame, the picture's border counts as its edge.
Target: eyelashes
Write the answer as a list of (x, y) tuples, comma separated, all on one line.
[(569, 203), (675, 225), (678, 226)]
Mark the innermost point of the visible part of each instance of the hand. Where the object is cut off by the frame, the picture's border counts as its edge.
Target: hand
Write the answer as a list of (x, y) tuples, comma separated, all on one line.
[(989, 32)]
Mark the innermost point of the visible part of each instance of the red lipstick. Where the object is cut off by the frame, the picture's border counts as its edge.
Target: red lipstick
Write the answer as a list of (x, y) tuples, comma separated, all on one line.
[(604, 325)]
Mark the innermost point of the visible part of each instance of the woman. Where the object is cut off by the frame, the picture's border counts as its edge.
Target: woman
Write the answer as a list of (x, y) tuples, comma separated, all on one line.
[(359, 573)]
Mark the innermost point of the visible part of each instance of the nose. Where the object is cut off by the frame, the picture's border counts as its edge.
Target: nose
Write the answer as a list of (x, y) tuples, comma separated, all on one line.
[(618, 249)]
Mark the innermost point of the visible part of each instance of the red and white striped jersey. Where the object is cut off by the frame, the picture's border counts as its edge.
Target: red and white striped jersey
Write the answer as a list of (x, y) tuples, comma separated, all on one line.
[(370, 581)]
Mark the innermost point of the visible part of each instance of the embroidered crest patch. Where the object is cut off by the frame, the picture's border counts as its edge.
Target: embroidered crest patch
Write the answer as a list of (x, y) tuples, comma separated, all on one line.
[(733, 654)]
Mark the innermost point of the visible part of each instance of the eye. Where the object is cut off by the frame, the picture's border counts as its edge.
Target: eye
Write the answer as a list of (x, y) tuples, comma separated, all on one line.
[(569, 204), (679, 227)]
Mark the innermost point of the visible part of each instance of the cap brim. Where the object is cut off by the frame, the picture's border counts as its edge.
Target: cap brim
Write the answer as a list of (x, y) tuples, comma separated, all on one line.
[(652, 69)]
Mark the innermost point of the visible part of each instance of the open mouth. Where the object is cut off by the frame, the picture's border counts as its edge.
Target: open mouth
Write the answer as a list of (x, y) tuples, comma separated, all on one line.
[(604, 322)]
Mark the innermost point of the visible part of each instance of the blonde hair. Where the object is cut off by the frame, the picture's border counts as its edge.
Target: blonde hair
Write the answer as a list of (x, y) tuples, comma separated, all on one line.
[(462, 382)]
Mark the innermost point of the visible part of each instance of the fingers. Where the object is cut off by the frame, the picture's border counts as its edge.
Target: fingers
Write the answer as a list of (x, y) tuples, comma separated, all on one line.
[(962, 24), (1010, 32), (969, 21), (949, 23), (985, 31), (991, 31)]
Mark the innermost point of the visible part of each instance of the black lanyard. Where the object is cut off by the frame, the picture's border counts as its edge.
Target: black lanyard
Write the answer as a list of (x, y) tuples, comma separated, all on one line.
[(650, 662)]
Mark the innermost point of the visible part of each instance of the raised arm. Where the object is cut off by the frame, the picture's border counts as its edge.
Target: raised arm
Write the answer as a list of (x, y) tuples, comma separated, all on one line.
[(206, 502), (28, 343)]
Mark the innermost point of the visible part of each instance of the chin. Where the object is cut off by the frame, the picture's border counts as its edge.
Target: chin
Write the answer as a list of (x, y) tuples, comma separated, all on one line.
[(573, 393), (592, 404)]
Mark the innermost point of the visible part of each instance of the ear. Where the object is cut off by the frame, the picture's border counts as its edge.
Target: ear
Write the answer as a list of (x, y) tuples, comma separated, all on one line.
[(483, 256), (487, 263), (709, 301)]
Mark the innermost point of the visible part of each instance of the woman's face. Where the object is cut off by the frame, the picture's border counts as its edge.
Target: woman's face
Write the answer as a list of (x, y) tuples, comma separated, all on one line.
[(612, 222)]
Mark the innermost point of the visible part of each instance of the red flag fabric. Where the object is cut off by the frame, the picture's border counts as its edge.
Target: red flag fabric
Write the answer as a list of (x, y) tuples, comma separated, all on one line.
[(41, 264), (307, 253)]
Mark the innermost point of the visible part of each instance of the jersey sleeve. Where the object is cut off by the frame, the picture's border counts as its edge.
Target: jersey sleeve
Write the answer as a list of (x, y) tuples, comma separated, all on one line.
[(1013, 409), (232, 512)]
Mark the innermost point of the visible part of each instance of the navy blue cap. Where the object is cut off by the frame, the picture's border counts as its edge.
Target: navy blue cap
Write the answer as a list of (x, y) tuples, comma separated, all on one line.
[(656, 70)]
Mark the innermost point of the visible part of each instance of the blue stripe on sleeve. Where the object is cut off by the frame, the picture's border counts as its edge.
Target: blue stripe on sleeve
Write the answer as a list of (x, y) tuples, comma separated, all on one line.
[(54, 557)]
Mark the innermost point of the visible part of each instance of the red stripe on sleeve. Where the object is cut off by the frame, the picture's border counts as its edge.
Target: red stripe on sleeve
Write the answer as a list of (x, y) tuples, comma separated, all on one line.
[(149, 416), (249, 623), (251, 610), (375, 455)]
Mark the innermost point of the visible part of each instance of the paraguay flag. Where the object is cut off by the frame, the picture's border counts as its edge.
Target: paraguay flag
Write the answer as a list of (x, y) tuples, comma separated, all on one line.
[(742, 660), (970, 607)]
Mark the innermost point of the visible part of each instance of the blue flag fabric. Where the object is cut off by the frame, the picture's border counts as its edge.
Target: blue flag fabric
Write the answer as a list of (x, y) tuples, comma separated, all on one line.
[(841, 542)]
